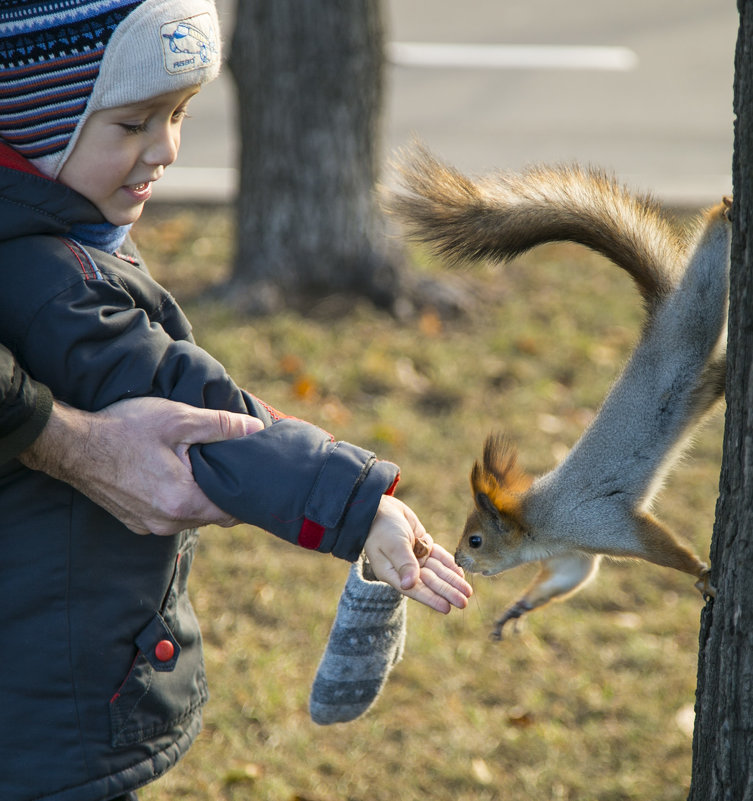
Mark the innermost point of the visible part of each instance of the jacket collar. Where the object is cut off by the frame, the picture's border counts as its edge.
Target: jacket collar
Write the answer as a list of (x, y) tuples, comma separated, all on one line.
[(13, 159), (32, 203)]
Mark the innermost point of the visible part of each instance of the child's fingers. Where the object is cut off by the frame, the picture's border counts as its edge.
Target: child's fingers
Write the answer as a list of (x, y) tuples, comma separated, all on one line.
[(449, 575), (449, 586), (435, 586), (421, 593), (437, 594), (446, 558)]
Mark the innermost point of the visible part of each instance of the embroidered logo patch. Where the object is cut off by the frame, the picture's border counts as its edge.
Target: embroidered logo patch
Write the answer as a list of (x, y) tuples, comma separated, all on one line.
[(189, 44)]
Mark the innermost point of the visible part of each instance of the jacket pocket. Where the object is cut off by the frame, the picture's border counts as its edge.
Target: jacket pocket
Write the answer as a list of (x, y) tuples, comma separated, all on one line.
[(166, 684)]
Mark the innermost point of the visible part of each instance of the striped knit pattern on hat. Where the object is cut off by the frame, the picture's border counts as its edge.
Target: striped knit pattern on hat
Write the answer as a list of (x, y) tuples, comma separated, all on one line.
[(50, 56)]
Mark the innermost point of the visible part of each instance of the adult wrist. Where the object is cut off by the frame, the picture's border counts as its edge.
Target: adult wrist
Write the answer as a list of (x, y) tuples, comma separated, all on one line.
[(57, 449)]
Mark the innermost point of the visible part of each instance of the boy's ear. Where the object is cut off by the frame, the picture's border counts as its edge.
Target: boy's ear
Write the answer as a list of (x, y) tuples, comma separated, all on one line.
[(498, 484)]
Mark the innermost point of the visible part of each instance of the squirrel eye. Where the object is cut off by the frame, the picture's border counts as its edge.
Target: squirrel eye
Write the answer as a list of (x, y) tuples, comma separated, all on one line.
[(475, 541)]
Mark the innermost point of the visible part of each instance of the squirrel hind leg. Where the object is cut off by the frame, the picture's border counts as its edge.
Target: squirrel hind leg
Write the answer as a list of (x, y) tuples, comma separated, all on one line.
[(558, 577), (704, 585)]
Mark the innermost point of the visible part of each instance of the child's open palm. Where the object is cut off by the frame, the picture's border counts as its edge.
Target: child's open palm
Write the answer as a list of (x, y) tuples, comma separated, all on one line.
[(402, 554)]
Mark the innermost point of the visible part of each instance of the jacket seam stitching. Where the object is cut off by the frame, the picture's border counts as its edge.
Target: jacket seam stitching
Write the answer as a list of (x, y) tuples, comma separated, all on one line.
[(29, 207)]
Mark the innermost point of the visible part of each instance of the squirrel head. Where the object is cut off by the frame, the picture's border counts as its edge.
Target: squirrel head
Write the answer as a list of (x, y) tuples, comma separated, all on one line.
[(495, 530)]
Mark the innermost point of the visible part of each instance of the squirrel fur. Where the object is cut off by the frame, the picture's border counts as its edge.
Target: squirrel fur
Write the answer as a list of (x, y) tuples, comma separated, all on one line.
[(596, 501)]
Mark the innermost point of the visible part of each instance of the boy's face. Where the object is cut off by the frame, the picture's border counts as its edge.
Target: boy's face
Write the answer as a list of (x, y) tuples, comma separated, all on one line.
[(121, 151)]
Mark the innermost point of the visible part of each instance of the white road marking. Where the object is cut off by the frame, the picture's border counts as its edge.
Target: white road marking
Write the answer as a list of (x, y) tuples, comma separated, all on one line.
[(498, 56)]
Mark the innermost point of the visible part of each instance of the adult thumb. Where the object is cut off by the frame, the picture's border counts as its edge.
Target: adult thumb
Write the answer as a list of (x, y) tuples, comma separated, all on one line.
[(238, 425), (219, 425)]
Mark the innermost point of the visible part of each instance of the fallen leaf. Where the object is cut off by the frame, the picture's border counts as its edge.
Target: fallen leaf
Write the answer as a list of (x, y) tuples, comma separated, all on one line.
[(291, 364), (245, 773), (304, 388), (430, 323), (520, 718), (481, 772)]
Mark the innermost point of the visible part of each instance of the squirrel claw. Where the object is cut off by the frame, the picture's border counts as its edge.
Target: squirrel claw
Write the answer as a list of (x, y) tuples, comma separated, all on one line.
[(727, 211), (704, 586), (514, 613)]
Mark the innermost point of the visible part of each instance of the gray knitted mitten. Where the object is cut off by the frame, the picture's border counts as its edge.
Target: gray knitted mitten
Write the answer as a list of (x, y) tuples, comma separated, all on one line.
[(365, 642)]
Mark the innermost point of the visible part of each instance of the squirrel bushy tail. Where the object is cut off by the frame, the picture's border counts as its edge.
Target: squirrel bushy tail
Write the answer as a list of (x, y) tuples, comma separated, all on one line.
[(502, 215), (596, 500)]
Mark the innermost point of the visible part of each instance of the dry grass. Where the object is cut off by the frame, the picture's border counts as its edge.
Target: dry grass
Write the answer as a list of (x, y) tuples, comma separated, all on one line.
[(592, 699)]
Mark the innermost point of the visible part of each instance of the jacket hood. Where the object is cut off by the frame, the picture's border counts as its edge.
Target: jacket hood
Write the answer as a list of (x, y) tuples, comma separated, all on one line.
[(31, 203)]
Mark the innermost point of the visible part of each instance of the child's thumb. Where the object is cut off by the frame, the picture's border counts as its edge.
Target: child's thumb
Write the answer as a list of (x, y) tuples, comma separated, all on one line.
[(409, 572)]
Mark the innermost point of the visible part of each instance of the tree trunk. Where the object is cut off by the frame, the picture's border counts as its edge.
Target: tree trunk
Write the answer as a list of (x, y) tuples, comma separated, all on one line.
[(723, 739), (309, 80)]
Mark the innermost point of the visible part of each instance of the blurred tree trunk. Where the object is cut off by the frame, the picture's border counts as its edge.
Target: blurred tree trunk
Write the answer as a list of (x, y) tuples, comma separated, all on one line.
[(723, 739), (309, 78)]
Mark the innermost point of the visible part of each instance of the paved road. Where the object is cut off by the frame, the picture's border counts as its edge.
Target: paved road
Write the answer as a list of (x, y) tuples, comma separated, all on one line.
[(663, 123)]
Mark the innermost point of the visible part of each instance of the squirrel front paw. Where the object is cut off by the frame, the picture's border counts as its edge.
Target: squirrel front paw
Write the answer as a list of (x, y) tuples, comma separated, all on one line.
[(704, 585), (513, 612)]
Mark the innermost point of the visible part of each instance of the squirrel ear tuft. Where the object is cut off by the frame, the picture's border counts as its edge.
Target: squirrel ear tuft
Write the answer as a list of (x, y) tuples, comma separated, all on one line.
[(501, 463), (498, 480), (485, 504)]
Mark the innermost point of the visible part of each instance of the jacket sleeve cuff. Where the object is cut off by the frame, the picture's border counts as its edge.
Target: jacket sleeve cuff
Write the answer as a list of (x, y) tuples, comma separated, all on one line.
[(294, 481), (21, 437)]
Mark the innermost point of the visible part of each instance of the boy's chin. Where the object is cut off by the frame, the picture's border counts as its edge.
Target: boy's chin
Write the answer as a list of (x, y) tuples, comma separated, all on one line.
[(123, 216)]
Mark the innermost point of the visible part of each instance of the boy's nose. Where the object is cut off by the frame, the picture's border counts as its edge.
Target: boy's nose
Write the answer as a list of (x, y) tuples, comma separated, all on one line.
[(163, 149)]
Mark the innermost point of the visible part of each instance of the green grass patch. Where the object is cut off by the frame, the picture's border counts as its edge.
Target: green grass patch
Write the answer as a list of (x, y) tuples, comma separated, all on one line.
[(590, 701)]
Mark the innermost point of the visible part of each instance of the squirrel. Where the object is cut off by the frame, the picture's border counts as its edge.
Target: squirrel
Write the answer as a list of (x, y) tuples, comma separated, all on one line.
[(596, 501)]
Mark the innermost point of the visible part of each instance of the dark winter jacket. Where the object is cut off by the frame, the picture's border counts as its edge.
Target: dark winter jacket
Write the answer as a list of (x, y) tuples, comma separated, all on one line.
[(101, 679)]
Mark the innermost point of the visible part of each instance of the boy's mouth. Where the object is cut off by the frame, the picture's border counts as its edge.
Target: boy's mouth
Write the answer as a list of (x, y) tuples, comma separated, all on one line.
[(140, 192)]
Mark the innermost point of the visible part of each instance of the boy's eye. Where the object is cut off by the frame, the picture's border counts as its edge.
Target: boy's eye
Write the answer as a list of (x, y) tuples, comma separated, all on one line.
[(133, 128)]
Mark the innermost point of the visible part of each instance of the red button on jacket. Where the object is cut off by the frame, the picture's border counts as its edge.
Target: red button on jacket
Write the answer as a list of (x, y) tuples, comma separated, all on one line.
[(164, 650)]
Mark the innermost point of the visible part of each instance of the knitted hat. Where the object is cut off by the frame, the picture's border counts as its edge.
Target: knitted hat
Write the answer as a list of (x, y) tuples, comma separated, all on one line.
[(62, 60)]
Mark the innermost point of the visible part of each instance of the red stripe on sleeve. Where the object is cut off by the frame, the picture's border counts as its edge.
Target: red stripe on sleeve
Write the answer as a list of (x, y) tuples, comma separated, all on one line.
[(311, 534)]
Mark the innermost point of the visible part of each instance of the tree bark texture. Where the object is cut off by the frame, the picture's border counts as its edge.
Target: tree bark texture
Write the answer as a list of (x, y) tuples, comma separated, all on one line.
[(309, 79), (723, 739)]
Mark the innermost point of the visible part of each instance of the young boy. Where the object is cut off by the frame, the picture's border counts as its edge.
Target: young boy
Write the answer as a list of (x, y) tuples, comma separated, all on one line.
[(102, 670)]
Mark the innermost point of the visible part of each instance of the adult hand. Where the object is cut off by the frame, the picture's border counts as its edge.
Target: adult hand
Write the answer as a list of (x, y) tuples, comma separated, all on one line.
[(433, 578), (132, 459)]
